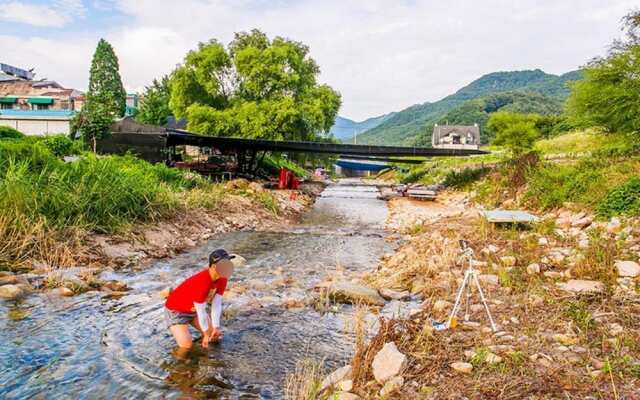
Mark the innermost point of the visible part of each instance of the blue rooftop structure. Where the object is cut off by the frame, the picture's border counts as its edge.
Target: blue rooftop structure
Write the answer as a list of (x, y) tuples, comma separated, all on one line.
[(38, 113)]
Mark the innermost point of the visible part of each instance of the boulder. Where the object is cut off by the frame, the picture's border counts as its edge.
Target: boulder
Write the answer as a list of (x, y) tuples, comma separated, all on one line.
[(462, 367), (388, 363), (389, 294), (582, 286), (628, 268), (393, 385), (335, 377), (347, 292), (11, 292)]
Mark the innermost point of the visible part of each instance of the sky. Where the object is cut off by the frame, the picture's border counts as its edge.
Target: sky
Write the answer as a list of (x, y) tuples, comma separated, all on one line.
[(382, 56)]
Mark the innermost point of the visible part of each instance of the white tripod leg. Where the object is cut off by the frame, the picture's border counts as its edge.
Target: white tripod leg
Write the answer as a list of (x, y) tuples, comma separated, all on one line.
[(484, 302), (465, 281)]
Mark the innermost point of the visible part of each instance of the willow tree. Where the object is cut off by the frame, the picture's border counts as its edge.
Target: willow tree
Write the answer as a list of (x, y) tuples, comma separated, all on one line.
[(253, 88), (106, 97)]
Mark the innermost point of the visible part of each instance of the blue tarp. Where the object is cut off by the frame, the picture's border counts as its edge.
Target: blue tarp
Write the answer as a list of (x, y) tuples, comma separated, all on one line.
[(361, 166)]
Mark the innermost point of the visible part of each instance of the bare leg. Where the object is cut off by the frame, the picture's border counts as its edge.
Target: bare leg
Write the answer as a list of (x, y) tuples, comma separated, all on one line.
[(182, 335)]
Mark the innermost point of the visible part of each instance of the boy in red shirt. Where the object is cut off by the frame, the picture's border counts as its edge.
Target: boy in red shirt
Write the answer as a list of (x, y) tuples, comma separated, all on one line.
[(187, 303)]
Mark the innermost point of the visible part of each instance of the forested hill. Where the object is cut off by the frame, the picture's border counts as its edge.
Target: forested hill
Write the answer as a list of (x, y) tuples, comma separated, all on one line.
[(344, 128), (523, 91)]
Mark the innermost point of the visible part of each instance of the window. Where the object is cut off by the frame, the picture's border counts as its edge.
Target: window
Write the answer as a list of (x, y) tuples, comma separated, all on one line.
[(40, 106), (6, 106)]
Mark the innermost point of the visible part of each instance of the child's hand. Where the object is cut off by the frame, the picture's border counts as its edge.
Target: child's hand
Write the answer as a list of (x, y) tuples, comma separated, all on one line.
[(216, 334), (206, 338)]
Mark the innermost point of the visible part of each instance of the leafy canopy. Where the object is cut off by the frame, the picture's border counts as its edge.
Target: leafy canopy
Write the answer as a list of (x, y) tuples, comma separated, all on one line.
[(106, 98), (517, 132), (609, 95), (254, 88), (154, 109)]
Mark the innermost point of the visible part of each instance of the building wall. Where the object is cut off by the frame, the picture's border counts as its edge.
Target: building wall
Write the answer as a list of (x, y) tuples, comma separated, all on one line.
[(37, 127)]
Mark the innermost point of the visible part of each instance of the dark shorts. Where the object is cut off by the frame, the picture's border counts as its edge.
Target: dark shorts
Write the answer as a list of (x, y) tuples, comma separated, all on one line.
[(177, 318)]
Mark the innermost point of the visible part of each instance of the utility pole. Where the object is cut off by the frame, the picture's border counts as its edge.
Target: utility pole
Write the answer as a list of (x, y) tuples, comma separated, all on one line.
[(355, 136)]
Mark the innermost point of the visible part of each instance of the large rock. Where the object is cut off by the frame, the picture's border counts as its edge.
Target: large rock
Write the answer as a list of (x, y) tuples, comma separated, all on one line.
[(628, 268), (582, 286), (337, 376), (389, 362), (347, 292), (11, 292)]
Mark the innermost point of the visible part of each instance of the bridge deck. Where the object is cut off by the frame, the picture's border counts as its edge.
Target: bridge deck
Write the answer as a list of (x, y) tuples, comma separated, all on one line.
[(177, 137)]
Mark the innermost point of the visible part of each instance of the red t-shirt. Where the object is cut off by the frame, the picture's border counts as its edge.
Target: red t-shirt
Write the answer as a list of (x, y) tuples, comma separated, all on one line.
[(194, 289)]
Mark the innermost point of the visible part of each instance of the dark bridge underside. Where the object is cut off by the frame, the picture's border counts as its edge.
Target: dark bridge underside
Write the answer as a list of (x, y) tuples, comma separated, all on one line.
[(177, 138)]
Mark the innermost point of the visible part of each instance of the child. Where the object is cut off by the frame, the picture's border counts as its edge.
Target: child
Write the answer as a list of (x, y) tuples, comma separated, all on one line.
[(186, 304)]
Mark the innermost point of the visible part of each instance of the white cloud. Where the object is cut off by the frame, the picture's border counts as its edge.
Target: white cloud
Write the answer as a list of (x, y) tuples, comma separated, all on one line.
[(57, 14), (380, 55)]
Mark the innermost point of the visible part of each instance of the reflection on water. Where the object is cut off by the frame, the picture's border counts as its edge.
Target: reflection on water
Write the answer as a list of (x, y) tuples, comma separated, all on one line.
[(89, 346)]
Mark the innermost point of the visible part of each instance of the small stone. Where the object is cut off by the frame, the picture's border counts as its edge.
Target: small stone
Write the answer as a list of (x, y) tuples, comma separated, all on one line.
[(614, 225), (492, 359), (441, 305), (533, 269), (389, 294), (628, 268), (11, 292), (8, 280), (489, 279), (543, 241), (62, 291), (344, 396), (553, 274), (582, 286), (583, 244), (340, 374), (115, 286), (345, 385), (595, 374), (389, 362), (582, 222), (393, 385), (615, 329), (462, 367)]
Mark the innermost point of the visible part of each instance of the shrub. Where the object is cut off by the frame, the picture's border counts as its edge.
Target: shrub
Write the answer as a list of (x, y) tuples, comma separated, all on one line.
[(464, 178), (7, 132), (60, 145), (624, 199)]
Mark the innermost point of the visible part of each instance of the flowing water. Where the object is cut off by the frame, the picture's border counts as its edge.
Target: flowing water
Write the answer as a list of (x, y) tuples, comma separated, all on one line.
[(90, 346)]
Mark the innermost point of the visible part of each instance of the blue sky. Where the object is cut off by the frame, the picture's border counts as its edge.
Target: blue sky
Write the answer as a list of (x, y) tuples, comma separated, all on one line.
[(381, 55)]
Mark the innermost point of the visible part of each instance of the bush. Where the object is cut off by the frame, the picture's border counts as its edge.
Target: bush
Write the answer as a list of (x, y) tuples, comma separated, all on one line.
[(7, 132), (624, 199), (464, 178), (60, 145)]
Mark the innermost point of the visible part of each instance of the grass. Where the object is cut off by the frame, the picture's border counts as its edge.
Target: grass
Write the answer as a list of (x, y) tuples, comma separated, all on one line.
[(45, 201), (436, 171), (304, 382)]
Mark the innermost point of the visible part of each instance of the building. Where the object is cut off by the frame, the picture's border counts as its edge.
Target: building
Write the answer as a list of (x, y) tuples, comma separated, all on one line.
[(36, 107), (456, 136)]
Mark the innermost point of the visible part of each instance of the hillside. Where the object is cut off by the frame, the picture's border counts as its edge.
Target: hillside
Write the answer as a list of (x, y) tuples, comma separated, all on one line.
[(344, 128), (413, 125)]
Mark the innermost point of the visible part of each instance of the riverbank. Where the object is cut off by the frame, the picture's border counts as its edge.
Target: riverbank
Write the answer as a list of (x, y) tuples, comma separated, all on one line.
[(75, 262), (564, 294)]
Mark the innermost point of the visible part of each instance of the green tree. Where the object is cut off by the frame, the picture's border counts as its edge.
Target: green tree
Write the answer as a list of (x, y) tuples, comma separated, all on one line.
[(609, 94), (154, 108), (517, 132), (256, 87), (106, 98)]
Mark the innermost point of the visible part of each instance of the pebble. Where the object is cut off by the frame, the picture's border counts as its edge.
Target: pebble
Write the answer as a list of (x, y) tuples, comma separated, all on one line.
[(565, 339), (533, 269), (508, 261), (627, 268), (389, 362), (393, 385), (462, 367)]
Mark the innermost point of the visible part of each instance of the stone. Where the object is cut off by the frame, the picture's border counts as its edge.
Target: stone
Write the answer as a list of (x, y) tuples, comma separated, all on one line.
[(115, 286), (393, 385), (441, 305), (62, 291), (11, 292), (345, 385), (389, 362), (553, 274), (492, 359), (615, 329), (389, 294), (508, 261), (462, 367), (347, 292), (582, 286), (582, 222), (489, 279), (583, 244), (543, 241), (628, 268), (164, 293), (336, 377), (8, 280), (614, 225), (478, 264), (533, 269)]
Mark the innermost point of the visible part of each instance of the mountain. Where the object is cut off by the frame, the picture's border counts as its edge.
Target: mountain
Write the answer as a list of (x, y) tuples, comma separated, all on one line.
[(344, 128), (414, 124)]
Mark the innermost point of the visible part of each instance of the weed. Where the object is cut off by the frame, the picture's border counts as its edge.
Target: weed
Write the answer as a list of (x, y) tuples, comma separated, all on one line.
[(304, 382), (578, 312), (624, 199)]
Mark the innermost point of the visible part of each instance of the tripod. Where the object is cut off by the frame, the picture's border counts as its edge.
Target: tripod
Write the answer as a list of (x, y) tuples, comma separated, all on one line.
[(470, 278)]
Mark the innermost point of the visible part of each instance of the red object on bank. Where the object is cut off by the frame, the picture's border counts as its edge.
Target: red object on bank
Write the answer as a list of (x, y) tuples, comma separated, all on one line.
[(288, 180)]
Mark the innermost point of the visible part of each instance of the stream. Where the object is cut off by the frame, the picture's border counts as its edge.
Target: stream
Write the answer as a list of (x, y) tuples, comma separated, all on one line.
[(91, 346)]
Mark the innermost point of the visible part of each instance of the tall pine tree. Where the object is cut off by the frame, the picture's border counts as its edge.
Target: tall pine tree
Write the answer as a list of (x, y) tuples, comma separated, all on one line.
[(106, 98)]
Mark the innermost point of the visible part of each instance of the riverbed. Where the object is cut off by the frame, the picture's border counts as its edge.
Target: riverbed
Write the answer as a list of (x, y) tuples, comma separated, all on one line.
[(92, 346)]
